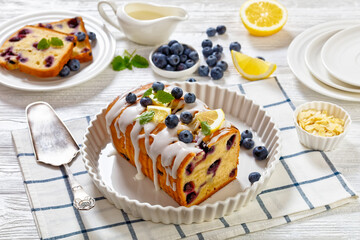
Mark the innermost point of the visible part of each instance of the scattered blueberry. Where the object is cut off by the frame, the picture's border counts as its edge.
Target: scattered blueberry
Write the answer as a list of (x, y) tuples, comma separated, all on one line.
[(181, 66), (216, 73), (186, 136), (145, 101), (171, 121), (218, 48), (157, 86), (189, 98), (174, 60), (246, 134), (211, 61), (183, 58), (189, 63), (259, 57), (65, 71), (191, 80), (177, 92), (176, 48), (186, 117), (207, 43), (170, 68), (172, 42), (164, 49), (131, 98), (159, 60), (211, 32), (217, 55), (207, 51), (203, 70), (80, 36), (223, 65), (254, 177), (221, 29), (248, 143), (92, 36), (260, 152), (194, 56), (74, 64), (235, 46)]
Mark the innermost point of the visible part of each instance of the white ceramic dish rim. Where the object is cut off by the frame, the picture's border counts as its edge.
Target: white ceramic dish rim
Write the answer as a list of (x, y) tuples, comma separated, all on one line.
[(181, 210)]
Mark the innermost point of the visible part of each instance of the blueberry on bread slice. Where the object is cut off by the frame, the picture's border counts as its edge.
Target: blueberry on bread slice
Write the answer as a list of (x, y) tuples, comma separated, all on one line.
[(22, 51), (74, 26)]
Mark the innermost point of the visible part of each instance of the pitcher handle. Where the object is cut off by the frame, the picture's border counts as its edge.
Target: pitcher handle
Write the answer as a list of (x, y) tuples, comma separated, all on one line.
[(105, 16)]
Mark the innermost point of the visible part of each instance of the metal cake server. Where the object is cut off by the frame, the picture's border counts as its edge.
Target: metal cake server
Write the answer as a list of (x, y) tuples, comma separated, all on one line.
[(54, 145)]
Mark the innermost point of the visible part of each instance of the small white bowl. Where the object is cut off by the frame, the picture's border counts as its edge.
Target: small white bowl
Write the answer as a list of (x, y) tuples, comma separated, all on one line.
[(317, 142), (174, 74)]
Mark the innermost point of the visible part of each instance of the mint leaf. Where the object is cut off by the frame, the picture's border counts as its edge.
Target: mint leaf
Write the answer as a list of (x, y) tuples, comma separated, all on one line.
[(118, 63), (205, 128), (147, 92), (146, 117), (43, 44), (139, 61), (127, 62), (163, 97), (56, 42)]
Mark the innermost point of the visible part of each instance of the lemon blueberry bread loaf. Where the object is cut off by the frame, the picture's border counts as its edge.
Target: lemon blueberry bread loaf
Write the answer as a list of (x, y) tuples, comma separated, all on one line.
[(22, 51), (188, 150)]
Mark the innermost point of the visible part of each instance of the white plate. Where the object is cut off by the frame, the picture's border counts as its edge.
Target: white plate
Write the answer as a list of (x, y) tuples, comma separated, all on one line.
[(296, 60), (341, 55), (103, 52), (314, 63), (114, 176)]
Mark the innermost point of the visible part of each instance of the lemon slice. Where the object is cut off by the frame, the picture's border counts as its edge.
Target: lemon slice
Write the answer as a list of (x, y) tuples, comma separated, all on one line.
[(263, 17), (214, 118), (252, 68), (160, 112)]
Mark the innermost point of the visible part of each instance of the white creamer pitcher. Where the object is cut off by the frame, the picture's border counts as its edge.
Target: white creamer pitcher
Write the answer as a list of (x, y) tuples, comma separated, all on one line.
[(144, 23)]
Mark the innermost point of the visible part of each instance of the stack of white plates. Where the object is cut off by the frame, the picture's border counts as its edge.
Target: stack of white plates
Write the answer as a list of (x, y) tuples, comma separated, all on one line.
[(326, 58)]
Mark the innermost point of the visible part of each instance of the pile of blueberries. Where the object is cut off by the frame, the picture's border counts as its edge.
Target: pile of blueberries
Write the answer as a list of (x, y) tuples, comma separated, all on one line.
[(174, 56), (259, 152), (74, 64)]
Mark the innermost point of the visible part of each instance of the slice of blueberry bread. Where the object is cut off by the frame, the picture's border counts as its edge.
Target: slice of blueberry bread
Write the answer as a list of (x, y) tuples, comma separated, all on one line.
[(22, 51), (74, 26)]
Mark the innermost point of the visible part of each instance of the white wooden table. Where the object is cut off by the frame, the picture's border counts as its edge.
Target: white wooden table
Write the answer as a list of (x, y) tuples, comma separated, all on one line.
[(16, 221)]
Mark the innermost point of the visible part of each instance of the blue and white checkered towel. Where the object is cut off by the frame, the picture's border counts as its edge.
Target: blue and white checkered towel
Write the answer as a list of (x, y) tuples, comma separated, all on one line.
[(305, 183)]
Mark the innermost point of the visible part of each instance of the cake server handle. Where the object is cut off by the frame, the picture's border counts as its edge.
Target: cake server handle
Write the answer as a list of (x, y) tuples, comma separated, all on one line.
[(82, 201)]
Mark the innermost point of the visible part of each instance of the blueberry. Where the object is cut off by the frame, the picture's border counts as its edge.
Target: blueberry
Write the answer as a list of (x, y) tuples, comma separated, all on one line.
[(172, 42), (260, 153), (211, 32), (235, 46), (189, 98), (145, 101), (203, 70), (177, 49), (177, 92), (216, 73), (211, 61), (223, 65), (158, 86), (170, 68), (186, 136), (183, 58), (207, 51), (217, 48), (74, 64), (207, 43), (65, 71), (260, 58), (80, 36), (217, 55), (221, 29), (131, 98), (159, 60), (189, 63), (187, 51), (174, 60), (171, 121), (246, 134), (194, 56), (191, 80), (181, 66), (186, 117), (254, 177), (92, 36), (248, 143), (164, 49)]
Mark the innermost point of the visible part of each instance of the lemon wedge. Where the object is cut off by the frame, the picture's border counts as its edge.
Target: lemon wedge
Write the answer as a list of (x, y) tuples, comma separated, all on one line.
[(214, 118), (252, 68), (263, 17), (160, 112)]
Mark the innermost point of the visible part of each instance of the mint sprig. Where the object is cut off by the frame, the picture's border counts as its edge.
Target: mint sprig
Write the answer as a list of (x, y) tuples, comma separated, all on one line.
[(56, 42), (43, 44), (205, 128), (163, 97), (146, 117), (46, 43), (128, 60), (148, 92)]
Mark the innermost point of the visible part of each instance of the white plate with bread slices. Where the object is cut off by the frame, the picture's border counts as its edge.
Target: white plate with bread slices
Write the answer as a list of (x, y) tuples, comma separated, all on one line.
[(115, 177), (94, 56)]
